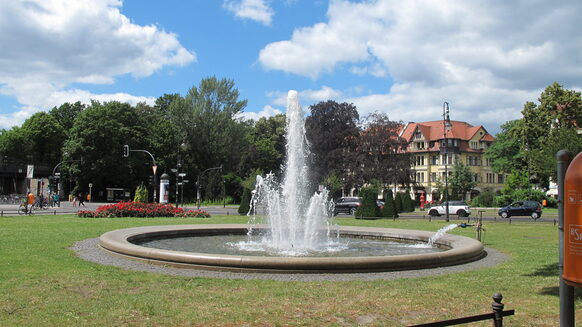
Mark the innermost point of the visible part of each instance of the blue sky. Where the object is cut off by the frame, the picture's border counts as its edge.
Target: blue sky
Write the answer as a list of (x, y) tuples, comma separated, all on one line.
[(404, 58)]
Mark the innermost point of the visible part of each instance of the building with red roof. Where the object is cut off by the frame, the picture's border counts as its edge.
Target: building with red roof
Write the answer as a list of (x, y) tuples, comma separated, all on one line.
[(466, 143)]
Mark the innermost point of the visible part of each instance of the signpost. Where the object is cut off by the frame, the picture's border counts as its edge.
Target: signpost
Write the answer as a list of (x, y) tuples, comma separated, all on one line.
[(90, 194)]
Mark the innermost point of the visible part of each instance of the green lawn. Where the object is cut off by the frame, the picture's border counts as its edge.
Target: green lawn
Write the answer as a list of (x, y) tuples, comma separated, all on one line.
[(43, 283)]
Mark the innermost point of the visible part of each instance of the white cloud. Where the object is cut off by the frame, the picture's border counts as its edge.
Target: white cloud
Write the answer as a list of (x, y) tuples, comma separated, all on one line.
[(257, 10), (56, 43), (267, 111), (486, 55)]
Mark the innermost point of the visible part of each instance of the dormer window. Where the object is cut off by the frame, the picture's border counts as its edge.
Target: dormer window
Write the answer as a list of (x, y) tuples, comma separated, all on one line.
[(417, 135)]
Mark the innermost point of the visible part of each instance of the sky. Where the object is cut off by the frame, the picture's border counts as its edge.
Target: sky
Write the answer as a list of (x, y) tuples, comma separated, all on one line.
[(402, 57)]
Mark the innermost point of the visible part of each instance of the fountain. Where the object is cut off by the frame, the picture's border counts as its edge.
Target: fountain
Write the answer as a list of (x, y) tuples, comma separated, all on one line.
[(291, 232)]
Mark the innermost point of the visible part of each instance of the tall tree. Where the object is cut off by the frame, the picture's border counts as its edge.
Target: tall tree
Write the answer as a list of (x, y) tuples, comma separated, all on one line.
[(505, 153), (66, 114), (542, 126), (207, 120), (97, 138), (378, 152), (45, 136), (266, 145), (329, 128)]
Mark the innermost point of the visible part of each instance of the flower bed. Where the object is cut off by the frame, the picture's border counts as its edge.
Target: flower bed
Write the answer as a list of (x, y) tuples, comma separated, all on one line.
[(139, 209)]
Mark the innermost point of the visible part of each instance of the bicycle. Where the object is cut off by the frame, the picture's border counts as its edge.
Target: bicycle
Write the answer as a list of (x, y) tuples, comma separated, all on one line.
[(23, 209)]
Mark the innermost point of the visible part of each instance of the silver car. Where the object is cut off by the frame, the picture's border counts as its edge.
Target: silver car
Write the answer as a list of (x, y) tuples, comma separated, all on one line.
[(459, 208)]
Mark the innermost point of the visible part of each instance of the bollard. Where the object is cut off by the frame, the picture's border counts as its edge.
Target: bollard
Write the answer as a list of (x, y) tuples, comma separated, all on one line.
[(228, 213), (429, 218), (497, 307), (2, 213), (55, 213), (510, 221), (555, 221)]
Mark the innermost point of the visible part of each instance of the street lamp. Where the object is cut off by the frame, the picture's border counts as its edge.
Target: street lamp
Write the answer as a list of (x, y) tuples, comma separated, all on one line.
[(446, 127), (198, 186), (182, 147)]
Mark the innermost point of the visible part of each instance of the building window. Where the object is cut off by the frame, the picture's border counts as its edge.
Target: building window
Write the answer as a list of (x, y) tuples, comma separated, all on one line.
[(417, 135), (500, 178), (420, 177), (419, 145), (474, 145), (433, 177), (434, 160), (419, 160)]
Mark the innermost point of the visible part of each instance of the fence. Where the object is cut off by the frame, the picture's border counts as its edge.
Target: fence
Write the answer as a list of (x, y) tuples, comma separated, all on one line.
[(496, 316)]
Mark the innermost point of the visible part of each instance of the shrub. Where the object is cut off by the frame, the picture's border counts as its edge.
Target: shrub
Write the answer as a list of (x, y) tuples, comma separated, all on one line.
[(245, 202), (369, 207), (398, 202), (389, 210), (485, 199), (138, 209), (141, 194), (407, 204)]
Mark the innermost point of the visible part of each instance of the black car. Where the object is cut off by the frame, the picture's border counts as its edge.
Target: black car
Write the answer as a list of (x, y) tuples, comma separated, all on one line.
[(349, 205), (522, 208)]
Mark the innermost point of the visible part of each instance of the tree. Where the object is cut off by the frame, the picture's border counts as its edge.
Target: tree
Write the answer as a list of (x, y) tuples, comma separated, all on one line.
[(45, 136), (15, 146), (328, 129), (542, 126), (97, 138), (206, 119), (505, 153), (266, 145), (462, 180), (66, 114), (378, 152), (407, 204)]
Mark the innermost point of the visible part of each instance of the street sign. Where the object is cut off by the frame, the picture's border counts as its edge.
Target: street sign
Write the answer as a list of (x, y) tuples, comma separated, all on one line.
[(155, 168), (90, 185), (182, 174)]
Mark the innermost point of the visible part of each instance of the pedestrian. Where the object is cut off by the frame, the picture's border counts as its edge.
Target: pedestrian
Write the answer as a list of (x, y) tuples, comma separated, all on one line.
[(29, 202), (81, 199), (56, 200), (74, 201)]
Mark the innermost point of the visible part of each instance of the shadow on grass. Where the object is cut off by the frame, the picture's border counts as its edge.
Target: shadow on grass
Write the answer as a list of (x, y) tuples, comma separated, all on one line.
[(548, 270), (555, 291)]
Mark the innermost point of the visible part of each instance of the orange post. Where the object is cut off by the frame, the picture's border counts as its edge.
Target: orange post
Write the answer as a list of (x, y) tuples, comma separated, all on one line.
[(572, 247)]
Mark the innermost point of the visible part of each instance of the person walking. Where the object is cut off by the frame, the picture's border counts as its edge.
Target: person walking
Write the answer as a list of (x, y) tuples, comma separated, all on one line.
[(56, 200), (30, 202), (81, 199), (74, 201)]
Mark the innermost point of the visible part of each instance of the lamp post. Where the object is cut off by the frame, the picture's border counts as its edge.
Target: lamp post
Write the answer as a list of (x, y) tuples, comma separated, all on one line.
[(182, 147), (446, 127), (198, 186)]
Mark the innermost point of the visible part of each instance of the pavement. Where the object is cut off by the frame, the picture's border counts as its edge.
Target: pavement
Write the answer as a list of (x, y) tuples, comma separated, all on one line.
[(67, 207)]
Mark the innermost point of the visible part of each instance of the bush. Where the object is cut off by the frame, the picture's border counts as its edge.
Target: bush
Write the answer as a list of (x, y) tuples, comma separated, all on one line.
[(138, 209), (520, 195), (369, 207), (389, 211), (245, 202), (141, 194), (407, 204), (485, 199), (398, 202)]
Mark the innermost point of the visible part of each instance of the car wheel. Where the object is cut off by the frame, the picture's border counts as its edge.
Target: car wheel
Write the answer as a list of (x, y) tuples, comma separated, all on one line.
[(504, 215), (433, 213), (461, 213), (352, 211), (535, 215)]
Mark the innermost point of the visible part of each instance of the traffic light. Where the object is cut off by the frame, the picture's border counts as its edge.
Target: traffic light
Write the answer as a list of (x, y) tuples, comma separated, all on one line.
[(126, 150)]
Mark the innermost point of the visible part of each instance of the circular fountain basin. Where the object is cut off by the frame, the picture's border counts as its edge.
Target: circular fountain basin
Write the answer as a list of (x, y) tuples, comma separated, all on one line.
[(457, 250)]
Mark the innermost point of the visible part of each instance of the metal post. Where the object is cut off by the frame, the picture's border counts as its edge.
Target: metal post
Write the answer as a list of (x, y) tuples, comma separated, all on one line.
[(567, 313), (497, 307), (446, 120)]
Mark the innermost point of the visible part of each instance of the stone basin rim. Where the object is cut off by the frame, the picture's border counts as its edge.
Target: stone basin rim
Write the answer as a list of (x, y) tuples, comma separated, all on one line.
[(460, 250)]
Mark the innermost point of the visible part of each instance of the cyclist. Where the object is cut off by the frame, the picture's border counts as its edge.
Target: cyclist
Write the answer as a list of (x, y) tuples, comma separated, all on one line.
[(30, 199)]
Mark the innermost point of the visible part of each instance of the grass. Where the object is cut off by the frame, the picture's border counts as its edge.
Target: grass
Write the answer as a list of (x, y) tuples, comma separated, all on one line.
[(43, 283)]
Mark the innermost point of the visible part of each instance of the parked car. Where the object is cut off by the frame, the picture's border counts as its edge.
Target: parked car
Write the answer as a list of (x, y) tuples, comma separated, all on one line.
[(349, 205), (522, 208), (459, 208)]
